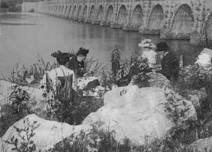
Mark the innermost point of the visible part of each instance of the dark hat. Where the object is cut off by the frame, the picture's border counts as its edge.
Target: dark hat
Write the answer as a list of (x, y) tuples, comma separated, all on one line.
[(62, 57), (82, 51), (59, 54), (162, 46)]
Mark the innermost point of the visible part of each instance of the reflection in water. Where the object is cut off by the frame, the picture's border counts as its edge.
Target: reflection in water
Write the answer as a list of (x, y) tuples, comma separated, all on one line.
[(23, 42)]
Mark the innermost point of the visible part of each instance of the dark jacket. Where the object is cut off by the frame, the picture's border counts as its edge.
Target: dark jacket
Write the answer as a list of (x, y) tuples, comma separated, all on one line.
[(170, 66), (76, 66)]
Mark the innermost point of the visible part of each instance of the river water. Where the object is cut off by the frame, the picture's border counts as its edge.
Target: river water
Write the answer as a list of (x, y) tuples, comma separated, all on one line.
[(25, 36)]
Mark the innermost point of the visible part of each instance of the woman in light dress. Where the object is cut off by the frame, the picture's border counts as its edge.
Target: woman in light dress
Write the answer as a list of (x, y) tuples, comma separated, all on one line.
[(148, 52)]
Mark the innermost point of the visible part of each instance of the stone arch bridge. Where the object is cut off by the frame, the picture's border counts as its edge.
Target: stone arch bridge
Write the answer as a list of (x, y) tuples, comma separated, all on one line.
[(171, 19)]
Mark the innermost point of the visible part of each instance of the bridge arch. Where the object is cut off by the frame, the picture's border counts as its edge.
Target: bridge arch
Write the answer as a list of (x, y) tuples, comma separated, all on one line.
[(79, 11), (58, 9), (137, 17), (156, 18), (100, 13), (183, 20), (61, 9), (73, 13), (69, 11), (122, 15), (109, 15), (84, 13), (92, 12)]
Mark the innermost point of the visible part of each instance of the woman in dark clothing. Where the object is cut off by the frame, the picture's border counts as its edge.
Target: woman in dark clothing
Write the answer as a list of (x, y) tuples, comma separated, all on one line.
[(169, 63), (61, 57), (76, 63)]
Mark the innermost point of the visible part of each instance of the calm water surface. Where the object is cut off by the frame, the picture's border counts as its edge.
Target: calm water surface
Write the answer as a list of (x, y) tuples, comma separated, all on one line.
[(25, 36)]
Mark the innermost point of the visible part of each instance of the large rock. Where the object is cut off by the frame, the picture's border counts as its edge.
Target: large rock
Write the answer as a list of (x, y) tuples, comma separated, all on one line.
[(158, 80), (201, 145), (204, 58), (46, 135), (135, 113), (138, 114)]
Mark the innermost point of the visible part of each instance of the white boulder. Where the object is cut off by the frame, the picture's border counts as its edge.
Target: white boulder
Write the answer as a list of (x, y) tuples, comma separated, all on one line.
[(46, 135), (135, 113)]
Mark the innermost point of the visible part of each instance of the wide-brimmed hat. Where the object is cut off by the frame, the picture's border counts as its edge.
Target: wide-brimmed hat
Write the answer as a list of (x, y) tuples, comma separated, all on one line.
[(59, 54), (62, 57), (147, 43), (162, 47), (82, 51)]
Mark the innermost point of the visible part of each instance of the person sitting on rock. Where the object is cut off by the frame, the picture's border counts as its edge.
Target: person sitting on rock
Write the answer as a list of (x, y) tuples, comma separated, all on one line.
[(169, 62), (77, 62)]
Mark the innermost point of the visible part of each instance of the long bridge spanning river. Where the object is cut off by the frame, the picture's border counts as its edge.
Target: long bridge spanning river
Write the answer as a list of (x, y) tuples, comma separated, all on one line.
[(171, 19)]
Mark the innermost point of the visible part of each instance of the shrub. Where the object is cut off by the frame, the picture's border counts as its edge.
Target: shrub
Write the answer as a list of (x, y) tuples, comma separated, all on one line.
[(19, 99), (135, 70), (17, 109), (24, 142)]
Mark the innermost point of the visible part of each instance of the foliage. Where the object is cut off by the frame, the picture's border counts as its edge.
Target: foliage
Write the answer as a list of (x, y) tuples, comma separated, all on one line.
[(20, 73), (17, 109), (73, 111), (104, 140), (19, 99), (69, 105), (195, 77), (136, 69), (24, 142), (93, 67), (96, 140), (115, 61), (176, 107)]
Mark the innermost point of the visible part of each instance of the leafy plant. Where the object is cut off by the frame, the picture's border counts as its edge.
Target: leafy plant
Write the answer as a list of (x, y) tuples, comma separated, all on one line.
[(24, 142), (19, 99), (23, 75)]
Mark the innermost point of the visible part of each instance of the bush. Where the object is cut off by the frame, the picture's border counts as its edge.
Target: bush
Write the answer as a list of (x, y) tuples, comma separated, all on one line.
[(17, 109), (75, 110), (24, 142)]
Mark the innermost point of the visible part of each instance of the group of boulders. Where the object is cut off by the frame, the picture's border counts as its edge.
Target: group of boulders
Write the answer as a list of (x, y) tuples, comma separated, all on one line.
[(140, 114)]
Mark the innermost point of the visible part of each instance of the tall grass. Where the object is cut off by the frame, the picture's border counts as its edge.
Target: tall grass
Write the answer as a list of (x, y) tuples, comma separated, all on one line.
[(20, 73)]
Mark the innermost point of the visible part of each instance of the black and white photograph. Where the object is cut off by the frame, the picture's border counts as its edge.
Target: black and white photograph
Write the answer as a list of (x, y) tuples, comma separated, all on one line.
[(105, 75)]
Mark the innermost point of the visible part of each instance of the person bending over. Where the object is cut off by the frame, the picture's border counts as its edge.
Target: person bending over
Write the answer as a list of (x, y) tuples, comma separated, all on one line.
[(77, 62)]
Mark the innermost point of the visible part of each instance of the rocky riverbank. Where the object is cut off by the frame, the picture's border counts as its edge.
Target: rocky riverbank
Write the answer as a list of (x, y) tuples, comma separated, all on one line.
[(160, 116)]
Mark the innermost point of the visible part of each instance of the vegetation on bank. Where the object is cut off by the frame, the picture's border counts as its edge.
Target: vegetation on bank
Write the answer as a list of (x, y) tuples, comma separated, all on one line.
[(178, 139)]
